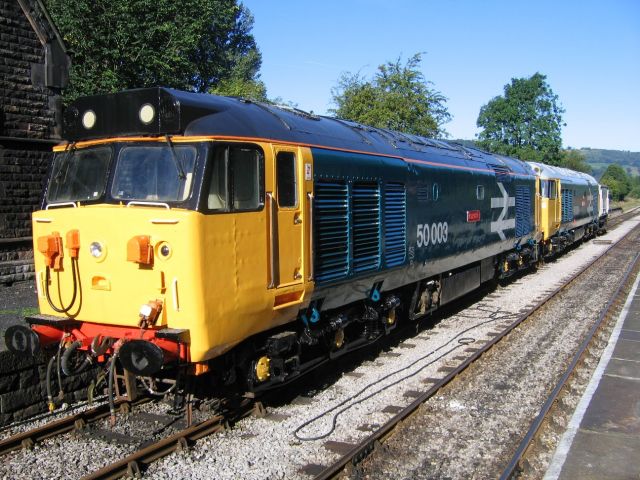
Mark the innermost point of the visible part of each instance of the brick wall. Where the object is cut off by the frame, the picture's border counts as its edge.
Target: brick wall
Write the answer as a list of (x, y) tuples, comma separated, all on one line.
[(28, 129), (23, 388)]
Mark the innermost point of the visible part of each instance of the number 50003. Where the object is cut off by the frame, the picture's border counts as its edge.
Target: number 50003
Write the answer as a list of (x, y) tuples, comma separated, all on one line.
[(432, 234)]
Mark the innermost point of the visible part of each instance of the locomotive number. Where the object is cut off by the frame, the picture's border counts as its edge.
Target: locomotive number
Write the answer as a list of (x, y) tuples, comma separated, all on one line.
[(432, 234)]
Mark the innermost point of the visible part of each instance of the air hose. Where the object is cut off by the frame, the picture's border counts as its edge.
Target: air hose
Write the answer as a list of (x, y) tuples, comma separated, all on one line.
[(66, 361), (52, 405), (112, 371), (63, 309)]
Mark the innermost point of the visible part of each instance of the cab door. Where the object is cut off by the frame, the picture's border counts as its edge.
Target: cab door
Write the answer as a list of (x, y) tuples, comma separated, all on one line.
[(289, 219)]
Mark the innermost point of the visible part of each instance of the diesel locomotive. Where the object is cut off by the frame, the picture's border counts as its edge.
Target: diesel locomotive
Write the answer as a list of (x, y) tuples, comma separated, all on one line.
[(248, 243)]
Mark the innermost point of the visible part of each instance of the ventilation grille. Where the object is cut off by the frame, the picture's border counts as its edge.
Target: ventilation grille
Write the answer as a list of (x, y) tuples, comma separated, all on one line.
[(395, 224), (523, 211), (423, 194), (332, 231), (366, 226), (567, 205), (502, 173)]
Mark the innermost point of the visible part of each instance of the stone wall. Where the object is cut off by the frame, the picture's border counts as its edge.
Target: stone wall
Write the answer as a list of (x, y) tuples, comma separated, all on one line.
[(23, 389), (30, 112)]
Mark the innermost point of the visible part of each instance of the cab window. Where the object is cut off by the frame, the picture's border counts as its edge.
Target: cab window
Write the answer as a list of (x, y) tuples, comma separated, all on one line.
[(548, 189), (235, 179)]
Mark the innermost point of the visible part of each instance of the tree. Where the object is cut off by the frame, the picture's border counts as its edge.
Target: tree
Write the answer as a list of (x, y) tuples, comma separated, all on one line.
[(635, 187), (575, 160), (191, 44), (525, 122), (617, 180), (397, 97), (243, 80)]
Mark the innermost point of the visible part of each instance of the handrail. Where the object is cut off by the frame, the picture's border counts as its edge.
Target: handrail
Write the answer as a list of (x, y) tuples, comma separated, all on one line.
[(273, 272), (61, 204), (311, 246), (153, 204)]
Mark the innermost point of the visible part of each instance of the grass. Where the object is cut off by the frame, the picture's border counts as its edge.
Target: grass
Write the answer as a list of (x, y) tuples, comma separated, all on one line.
[(627, 204), (25, 312)]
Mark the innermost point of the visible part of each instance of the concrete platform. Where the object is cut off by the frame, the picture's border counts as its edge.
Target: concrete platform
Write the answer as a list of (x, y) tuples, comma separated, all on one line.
[(603, 437)]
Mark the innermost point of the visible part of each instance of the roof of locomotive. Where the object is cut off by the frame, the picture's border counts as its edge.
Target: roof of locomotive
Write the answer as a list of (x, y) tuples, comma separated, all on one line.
[(199, 114), (564, 174)]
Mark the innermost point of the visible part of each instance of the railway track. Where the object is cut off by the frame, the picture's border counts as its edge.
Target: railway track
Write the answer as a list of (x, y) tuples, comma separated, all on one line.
[(137, 462), (70, 423), (357, 453), (608, 314)]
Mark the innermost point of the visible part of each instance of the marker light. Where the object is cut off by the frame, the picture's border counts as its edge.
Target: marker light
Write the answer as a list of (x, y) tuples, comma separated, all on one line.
[(147, 113), (89, 119), (96, 249), (164, 250)]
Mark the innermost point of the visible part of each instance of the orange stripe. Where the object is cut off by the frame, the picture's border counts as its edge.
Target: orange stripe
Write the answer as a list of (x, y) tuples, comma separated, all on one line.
[(203, 138)]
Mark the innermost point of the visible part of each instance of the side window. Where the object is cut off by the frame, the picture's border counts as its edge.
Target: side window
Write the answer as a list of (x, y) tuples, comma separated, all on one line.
[(552, 189), (286, 180), (480, 192), (544, 188), (245, 172), (218, 194), (236, 178), (436, 192)]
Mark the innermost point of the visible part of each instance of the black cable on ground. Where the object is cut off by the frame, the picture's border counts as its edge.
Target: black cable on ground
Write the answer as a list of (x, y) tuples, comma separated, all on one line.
[(461, 341)]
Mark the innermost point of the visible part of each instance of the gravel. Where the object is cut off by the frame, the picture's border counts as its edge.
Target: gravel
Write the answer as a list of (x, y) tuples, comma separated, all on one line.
[(294, 435)]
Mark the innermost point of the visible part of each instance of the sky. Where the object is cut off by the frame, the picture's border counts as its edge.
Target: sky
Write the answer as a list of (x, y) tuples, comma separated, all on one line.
[(589, 51)]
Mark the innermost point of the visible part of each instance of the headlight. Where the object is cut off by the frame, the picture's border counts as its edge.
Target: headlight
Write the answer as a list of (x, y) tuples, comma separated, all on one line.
[(147, 113), (88, 119), (96, 249)]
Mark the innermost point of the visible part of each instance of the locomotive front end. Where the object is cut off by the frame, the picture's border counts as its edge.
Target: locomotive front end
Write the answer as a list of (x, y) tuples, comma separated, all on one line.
[(118, 241), (114, 253)]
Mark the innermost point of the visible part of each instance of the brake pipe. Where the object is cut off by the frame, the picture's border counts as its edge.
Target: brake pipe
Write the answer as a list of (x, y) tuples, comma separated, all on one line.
[(63, 309)]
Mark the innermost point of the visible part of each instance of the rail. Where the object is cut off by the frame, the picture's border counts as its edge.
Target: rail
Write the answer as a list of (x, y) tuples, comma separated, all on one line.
[(514, 463), (64, 425), (362, 450)]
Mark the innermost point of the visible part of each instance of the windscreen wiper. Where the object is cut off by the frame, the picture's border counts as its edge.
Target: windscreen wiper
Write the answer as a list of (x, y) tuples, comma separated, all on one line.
[(64, 163), (176, 160)]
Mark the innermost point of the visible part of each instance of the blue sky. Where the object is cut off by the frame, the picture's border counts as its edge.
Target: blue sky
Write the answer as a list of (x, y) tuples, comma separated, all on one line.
[(589, 51)]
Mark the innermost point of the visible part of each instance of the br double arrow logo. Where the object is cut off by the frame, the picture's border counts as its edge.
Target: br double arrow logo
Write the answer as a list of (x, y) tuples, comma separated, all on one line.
[(504, 202)]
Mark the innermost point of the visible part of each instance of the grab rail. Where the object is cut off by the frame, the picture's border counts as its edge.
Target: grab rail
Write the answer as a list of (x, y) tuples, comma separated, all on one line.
[(273, 247), (310, 203)]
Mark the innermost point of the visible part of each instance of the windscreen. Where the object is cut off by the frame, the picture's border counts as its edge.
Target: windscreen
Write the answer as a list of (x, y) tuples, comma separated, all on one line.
[(79, 175), (151, 173)]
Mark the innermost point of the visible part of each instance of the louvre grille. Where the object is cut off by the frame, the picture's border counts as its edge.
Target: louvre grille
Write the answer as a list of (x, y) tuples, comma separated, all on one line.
[(502, 173), (395, 224), (332, 231), (523, 211), (567, 205), (365, 199)]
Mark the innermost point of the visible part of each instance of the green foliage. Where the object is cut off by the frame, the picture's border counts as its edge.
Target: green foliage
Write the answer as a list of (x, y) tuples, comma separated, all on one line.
[(617, 180), (524, 123), (575, 160), (190, 44), (243, 80), (397, 97), (635, 187)]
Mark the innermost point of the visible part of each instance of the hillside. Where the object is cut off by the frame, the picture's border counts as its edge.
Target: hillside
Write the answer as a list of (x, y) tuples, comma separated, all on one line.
[(598, 158)]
